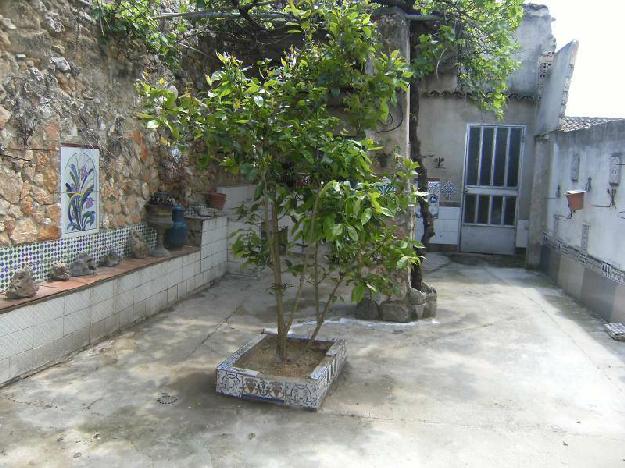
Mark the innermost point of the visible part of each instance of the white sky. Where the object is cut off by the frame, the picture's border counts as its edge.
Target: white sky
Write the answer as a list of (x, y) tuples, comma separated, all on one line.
[(599, 79)]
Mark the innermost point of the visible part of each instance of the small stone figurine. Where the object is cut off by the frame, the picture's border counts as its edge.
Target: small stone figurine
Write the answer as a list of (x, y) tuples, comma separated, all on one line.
[(60, 271), (22, 285), (83, 265), (138, 247), (110, 259)]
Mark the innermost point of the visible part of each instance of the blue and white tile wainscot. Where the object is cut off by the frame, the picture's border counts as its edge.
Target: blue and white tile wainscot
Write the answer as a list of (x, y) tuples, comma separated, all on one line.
[(307, 393)]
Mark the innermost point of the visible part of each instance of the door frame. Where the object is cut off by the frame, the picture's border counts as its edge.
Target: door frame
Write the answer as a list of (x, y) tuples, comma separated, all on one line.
[(464, 175)]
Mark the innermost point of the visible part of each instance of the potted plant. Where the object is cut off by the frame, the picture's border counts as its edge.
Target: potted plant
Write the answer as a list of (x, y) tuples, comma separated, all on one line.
[(272, 126)]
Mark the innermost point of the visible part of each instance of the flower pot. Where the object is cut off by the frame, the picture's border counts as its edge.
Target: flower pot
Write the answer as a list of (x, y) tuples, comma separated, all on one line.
[(575, 199), (177, 235), (216, 200), (307, 391)]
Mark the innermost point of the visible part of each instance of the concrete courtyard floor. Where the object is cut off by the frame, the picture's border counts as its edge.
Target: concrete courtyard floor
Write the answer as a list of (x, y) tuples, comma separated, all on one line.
[(512, 373)]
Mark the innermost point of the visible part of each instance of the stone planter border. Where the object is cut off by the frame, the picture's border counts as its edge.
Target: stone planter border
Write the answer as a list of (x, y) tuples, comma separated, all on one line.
[(308, 392)]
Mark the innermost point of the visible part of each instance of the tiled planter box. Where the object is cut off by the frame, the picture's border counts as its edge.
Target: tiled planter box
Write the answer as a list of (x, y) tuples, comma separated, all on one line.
[(308, 392)]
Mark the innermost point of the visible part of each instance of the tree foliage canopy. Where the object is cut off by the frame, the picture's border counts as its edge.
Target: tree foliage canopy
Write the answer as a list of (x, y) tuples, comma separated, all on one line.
[(474, 37), (294, 129)]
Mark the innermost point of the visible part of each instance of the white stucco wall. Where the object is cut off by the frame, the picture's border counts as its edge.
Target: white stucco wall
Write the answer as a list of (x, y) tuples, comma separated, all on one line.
[(442, 131), (606, 240)]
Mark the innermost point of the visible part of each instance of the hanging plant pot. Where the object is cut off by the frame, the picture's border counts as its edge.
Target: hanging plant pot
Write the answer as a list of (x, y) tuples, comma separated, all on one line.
[(251, 373), (216, 200)]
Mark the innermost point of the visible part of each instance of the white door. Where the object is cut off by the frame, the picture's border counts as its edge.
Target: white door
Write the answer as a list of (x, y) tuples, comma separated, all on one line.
[(491, 189)]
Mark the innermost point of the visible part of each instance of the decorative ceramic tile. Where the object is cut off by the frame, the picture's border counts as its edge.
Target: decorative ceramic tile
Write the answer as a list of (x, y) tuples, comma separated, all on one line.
[(604, 269), (434, 196), (585, 237), (448, 190), (306, 392), (41, 256), (80, 192)]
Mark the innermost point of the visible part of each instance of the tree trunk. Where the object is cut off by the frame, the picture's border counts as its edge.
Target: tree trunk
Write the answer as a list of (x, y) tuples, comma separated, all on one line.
[(416, 274), (273, 239)]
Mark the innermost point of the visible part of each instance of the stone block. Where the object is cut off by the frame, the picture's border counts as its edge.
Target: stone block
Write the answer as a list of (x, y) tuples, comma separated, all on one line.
[(16, 320), (5, 374), (48, 332), (396, 311), (415, 297), (80, 338), (431, 301), (175, 277), (418, 311), (49, 310), (102, 310), (128, 282), (367, 309), (16, 343), (172, 295), (175, 264), (102, 292), (126, 317), (124, 300), (162, 283), (104, 328), (140, 311), (143, 291), (22, 363), (188, 271), (77, 320), (77, 301), (182, 290), (430, 307)]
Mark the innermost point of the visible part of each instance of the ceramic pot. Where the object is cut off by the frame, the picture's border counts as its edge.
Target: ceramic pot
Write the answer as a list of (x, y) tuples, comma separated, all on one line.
[(177, 235)]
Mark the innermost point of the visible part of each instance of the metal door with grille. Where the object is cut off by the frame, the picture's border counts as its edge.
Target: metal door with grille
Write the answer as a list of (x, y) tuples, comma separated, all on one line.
[(492, 175)]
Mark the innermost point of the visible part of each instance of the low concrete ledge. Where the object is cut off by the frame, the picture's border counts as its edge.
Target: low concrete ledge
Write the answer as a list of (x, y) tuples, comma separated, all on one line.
[(51, 289), (68, 316)]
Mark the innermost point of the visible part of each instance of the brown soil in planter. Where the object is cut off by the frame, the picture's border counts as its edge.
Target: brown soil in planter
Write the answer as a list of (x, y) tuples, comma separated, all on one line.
[(300, 362)]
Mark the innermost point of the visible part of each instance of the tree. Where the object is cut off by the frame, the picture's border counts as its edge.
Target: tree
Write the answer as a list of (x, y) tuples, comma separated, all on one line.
[(295, 128), (474, 38)]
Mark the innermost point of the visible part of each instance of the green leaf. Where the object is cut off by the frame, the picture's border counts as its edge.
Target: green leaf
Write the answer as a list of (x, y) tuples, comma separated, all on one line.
[(358, 293), (337, 230), (353, 234), (365, 216)]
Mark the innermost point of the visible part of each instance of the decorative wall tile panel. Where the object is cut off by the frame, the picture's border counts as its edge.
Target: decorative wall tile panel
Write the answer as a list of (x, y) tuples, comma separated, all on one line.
[(80, 191), (42, 255)]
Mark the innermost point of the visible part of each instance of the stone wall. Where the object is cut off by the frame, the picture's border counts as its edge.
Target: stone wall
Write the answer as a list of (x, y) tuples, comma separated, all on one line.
[(60, 84)]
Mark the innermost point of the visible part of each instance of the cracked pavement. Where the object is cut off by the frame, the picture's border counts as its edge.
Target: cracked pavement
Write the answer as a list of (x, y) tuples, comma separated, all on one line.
[(511, 373)]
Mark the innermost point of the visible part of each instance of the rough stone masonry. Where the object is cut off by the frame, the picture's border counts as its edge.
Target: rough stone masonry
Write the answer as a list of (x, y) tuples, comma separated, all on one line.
[(60, 84)]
